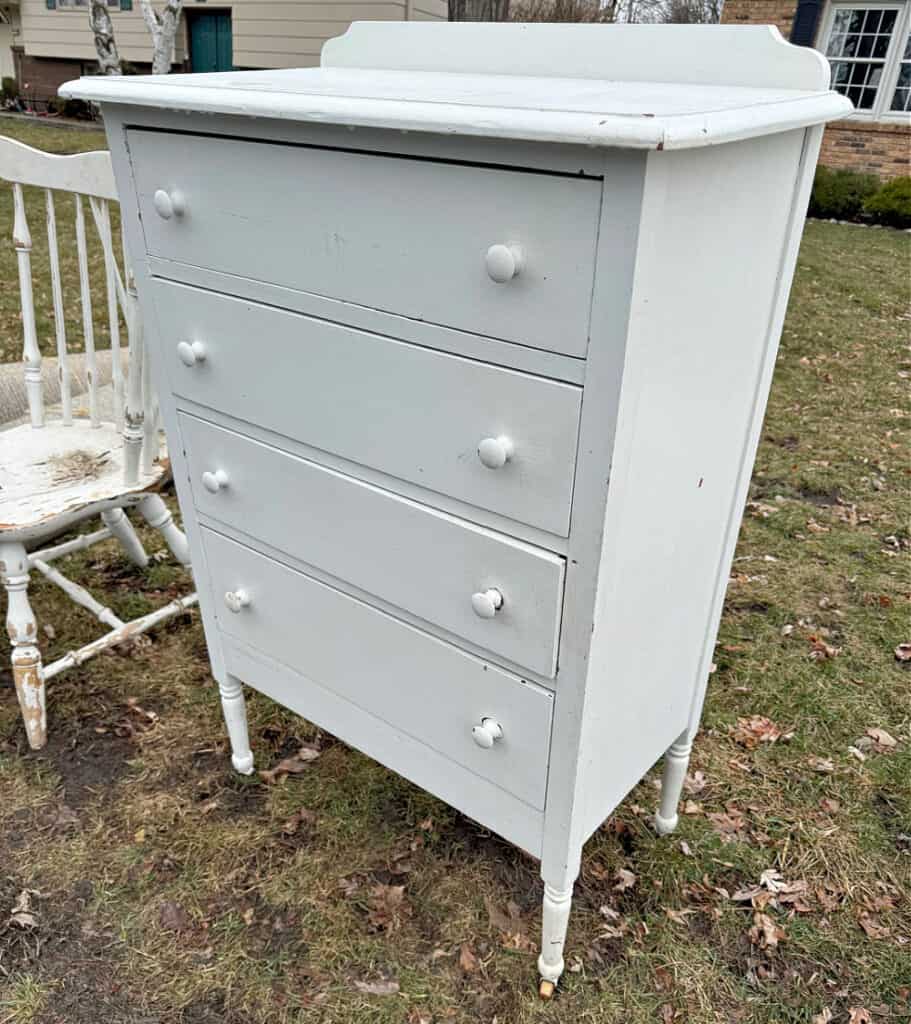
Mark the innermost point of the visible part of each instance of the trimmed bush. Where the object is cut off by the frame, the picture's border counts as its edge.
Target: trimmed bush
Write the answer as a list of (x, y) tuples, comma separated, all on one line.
[(9, 89), (841, 194), (891, 205)]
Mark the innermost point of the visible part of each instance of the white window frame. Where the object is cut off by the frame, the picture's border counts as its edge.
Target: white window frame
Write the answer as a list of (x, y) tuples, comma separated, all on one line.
[(892, 60)]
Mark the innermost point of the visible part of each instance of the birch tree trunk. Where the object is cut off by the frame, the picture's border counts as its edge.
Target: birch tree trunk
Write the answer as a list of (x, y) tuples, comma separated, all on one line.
[(162, 27), (103, 32)]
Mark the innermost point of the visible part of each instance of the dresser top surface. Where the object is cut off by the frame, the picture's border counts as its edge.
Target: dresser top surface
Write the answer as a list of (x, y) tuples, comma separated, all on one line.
[(633, 86)]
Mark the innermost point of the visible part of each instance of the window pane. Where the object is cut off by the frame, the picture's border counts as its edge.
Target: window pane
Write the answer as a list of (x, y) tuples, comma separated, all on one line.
[(861, 37), (881, 46), (903, 86), (888, 21)]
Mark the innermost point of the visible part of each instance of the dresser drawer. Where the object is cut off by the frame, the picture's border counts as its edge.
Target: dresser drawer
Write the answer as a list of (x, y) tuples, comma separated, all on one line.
[(402, 235), (408, 411), (425, 687), (416, 558)]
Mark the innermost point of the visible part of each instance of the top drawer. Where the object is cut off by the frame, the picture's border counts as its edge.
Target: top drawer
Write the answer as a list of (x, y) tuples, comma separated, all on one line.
[(402, 235)]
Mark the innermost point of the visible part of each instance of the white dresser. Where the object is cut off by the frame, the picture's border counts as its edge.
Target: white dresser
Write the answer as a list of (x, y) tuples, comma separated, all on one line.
[(464, 341)]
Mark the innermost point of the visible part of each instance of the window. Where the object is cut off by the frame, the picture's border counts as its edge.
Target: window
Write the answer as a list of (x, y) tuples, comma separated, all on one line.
[(70, 4), (868, 48)]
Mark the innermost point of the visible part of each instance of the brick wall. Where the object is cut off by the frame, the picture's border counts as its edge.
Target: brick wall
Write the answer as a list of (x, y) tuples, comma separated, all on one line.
[(875, 148), (872, 147), (760, 12), (41, 77)]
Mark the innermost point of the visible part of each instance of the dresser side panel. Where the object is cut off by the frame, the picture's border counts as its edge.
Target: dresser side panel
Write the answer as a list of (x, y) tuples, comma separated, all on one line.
[(714, 235)]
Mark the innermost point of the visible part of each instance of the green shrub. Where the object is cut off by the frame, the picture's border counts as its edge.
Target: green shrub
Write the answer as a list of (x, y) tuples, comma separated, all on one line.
[(840, 194), (891, 204), (9, 89)]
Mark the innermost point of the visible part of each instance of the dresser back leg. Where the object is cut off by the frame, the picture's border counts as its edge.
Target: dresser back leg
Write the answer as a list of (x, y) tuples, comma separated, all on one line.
[(554, 921), (22, 628), (235, 711), (676, 762)]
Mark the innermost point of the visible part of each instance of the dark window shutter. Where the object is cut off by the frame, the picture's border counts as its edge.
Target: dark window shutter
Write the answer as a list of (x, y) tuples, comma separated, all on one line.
[(126, 5), (51, 4), (806, 18)]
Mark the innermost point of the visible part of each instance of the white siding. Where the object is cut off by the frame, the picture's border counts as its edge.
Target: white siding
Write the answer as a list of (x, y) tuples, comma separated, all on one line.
[(266, 33)]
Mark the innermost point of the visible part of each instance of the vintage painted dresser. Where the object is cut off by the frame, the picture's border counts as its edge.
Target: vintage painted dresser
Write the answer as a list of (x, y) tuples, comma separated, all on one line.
[(464, 341)]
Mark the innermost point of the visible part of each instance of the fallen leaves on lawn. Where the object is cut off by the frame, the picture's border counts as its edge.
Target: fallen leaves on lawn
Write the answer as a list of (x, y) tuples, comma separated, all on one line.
[(872, 928), (172, 917), (823, 1017), (822, 651), (858, 1015), (293, 765), (388, 908), (750, 732), (765, 933), (467, 959), (300, 817), (775, 891), (511, 927), (23, 914), (694, 784), (903, 652), (882, 739), (387, 987), (625, 880), (729, 824)]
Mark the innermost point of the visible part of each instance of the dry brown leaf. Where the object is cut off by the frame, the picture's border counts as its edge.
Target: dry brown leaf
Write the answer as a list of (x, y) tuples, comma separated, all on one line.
[(388, 908), (823, 1017), (882, 738), (750, 732), (377, 988), (694, 783), (301, 817), (858, 1015), (678, 916), (729, 825), (290, 765), (467, 959), (872, 927), (625, 880), (821, 651), (765, 933), (172, 917), (903, 652)]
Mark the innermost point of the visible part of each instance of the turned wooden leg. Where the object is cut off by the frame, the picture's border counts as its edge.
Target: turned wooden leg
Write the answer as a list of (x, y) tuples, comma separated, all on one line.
[(557, 904), (235, 711), (23, 634), (156, 514), (676, 762), (121, 528)]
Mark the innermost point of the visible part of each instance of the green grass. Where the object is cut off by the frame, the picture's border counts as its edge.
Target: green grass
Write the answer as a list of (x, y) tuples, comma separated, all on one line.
[(279, 926), (52, 139)]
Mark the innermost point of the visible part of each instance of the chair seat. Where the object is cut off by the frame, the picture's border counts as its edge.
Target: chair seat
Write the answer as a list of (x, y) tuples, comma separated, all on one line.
[(54, 471)]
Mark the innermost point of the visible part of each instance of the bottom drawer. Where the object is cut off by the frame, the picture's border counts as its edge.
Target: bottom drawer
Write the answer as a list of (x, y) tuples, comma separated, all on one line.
[(424, 687)]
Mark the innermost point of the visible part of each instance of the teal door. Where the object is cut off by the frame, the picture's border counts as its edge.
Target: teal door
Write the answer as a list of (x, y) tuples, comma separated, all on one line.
[(210, 41)]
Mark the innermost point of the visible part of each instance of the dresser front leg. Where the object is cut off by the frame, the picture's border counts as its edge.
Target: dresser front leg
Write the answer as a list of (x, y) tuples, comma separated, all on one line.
[(235, 711), (676, 762), (555, 919)]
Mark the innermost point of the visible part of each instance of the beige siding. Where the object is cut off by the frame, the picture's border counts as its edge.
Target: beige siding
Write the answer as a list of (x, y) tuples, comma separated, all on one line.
[(267, 33)]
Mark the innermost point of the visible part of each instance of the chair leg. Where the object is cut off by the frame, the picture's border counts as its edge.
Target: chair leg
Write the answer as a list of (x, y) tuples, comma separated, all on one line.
[(156, 514), (121, 528), (23, 633), (676, 762)]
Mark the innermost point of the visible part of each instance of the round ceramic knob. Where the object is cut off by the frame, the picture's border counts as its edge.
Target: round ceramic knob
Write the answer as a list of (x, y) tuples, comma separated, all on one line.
[(168, 204), (495, 452), (214, 482), (191, 352), (504, 262), (487, 733), (237, 599), (486, 603)]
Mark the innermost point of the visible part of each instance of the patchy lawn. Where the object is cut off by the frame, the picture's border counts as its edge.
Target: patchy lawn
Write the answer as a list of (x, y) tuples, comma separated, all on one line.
[(161, 887)]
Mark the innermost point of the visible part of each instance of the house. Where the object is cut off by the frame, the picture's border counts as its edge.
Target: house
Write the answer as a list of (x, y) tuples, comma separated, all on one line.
[(52, 42), (867, 44)]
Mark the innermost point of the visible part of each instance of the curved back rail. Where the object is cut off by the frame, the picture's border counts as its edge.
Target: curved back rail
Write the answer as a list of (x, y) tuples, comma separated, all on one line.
[(85, 176)]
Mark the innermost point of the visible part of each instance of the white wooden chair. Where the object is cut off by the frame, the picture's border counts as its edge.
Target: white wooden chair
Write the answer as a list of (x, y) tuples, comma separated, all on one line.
[(54, 474)]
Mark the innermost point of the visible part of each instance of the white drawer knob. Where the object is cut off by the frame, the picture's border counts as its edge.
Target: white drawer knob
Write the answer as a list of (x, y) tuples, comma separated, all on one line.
[(237, 599), (486, 603), (191, 352), (214, 482), (495, 452), (168, 204), (487, 733), (504, 262)]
